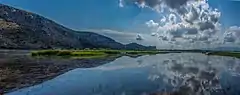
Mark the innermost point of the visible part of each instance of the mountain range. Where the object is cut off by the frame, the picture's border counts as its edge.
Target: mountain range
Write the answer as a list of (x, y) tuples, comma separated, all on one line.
[(20, 29)]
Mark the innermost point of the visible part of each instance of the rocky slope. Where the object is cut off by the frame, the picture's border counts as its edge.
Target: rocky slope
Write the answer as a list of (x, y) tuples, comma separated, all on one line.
[(24, 30)]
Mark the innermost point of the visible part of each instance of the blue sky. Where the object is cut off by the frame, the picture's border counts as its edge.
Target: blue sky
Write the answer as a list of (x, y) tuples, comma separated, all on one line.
[(86, 14), (112, 20), (106, 14)]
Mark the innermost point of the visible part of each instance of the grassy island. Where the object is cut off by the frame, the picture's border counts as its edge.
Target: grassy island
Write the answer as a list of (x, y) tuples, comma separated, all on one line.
[(92, 53), (225, 53), (107, 53)]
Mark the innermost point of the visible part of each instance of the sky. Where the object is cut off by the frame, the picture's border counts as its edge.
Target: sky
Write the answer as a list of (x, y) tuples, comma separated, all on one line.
[(144, 21), (87, 14)]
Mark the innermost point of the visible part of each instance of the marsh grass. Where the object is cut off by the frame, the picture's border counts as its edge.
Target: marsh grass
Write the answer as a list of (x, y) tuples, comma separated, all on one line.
[(224, 53), (90, 53), (106, 53), (67, 53)]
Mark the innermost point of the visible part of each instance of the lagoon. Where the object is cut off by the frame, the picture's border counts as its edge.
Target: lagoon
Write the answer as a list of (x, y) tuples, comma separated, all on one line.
[(173, 73)]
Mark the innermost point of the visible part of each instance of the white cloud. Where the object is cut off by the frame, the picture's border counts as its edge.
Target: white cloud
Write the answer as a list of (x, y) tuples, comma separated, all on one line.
[(232, 35), (189, 22), (121, 3), (126, 37), (152, 24), (153, 34), (174, 4), (139, 37), (193, 21), (163, 20), (172, 18)]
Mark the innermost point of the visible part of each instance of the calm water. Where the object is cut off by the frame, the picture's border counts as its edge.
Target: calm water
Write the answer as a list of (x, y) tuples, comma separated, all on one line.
[(193, 74)]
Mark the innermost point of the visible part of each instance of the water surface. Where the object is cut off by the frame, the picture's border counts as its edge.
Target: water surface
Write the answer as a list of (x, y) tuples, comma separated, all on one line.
[(182, 74)]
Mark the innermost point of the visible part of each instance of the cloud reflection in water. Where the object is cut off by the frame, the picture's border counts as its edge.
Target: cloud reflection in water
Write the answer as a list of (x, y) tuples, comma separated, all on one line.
[(174, 74)]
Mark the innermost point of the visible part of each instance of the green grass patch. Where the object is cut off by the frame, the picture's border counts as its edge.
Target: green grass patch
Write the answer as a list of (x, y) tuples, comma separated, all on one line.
[(90, 53), (230, 54), (108, 53), (68, 53)]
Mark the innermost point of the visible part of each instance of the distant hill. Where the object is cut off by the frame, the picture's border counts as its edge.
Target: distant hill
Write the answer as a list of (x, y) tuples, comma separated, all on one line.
[(228, 48), (25, 30), (133, 46)]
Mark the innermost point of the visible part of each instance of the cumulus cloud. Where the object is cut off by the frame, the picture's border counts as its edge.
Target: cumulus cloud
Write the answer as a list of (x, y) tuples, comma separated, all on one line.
[(174, 4), (139, 37), (172, 18), (154, 34), (152, 24), (121, 2), (163, 20), (193, 21), (197, 20), (188, 21), (232, 35)]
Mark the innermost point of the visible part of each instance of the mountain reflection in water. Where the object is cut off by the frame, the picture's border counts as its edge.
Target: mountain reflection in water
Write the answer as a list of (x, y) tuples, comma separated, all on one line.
[(163, 74)]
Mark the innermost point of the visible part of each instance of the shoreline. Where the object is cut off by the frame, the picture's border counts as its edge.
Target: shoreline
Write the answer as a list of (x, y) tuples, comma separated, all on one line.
[(20, 71)]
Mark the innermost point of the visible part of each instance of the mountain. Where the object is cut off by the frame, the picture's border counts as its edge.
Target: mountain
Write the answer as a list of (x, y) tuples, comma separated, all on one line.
[(133, 46), (25, 30)]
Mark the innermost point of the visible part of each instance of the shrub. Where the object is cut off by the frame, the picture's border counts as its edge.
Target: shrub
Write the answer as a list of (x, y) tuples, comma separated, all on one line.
[(112, 52), (64, 53)]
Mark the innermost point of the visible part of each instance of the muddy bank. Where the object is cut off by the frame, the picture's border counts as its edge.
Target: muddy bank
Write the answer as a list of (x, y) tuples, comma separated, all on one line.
[(18, 69)]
